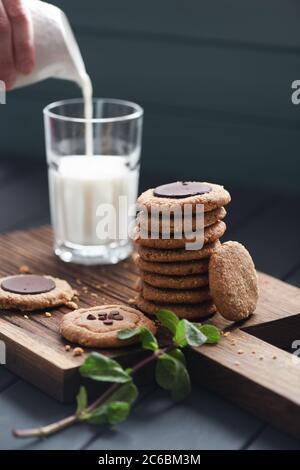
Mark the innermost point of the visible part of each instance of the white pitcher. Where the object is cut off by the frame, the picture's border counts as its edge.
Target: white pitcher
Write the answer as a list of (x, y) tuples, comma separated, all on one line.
[(57, 51)]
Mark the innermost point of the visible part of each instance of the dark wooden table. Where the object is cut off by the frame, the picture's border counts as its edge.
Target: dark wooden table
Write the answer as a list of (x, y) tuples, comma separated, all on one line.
[(268, 224)]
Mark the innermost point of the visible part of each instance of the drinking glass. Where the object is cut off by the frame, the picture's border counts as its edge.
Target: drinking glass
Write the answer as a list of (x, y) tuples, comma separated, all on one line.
[(93, 171)]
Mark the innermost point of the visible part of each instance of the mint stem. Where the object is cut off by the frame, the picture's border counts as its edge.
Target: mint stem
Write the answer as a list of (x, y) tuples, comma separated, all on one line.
[(70, 420)]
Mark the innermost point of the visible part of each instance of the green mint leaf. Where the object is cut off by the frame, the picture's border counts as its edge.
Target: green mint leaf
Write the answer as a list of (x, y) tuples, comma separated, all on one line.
[(148, 340), (117, 412), (179, 337), (127, 393), (128, 334), (211, 332), (188, 333), (81, 400), (193, 335), (102, 368), (168, 319), (116, 408), (171, 374), (178, 354)]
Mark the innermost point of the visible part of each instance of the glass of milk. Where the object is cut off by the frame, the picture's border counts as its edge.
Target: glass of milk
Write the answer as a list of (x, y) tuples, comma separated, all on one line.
[(93, 155)]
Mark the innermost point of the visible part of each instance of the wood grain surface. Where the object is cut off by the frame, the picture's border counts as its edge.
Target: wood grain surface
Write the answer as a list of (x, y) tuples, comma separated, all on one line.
[(251, 365)]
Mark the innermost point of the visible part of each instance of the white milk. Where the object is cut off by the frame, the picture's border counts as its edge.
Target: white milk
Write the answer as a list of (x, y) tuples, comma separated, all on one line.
[(79, 186)]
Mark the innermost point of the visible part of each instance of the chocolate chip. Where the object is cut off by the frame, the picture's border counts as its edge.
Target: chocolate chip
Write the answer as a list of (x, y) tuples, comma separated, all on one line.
[(118, 317), (108, 322), (182, 189), (114, 312), (91, 317), (102, 317)]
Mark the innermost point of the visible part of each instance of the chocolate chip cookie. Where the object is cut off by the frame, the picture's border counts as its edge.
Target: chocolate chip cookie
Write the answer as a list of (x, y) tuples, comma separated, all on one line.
[(98, 327)]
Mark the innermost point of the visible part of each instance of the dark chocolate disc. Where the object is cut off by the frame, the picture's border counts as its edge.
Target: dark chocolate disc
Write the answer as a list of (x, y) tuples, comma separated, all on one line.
[(28, 284), (182, 189)]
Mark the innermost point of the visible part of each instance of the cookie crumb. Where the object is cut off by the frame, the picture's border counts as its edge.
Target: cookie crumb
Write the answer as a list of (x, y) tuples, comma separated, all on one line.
[(104, 285), (78, 281), (85, 289), (78, 352), (26, 317), (240, 351), (98, 286), (72, 305), (24, 269), (94, 295), (227, 333), (48, 314), (237, 363), (67, 347), (131, 301)]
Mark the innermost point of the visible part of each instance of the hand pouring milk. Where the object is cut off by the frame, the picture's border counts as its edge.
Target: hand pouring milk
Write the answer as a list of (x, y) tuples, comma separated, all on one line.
[(79, 184)]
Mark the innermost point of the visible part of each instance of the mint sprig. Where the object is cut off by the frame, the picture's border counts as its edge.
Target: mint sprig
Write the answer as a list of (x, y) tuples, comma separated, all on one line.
[(171, 373)]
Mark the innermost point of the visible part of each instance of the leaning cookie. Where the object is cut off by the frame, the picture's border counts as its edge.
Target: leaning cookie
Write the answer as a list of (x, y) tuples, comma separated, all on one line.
[(233, 281), (184, 193), (98, 327), (32, 292), (190, 312), (211, 234), (171, 256)]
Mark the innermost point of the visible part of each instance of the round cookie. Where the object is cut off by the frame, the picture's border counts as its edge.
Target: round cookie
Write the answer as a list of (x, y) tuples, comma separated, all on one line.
[(32, 292), (183, 268), (171, 256), (172, 296), (233, 281), (175, 282), (98, 327), (190, 312), (214, 196), (176, 225), (211, 234)]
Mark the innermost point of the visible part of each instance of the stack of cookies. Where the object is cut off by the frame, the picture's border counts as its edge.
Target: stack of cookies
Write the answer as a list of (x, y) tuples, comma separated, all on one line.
[(174, 276)]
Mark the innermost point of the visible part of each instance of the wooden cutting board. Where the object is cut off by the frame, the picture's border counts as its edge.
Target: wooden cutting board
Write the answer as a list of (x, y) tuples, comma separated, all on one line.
[(252, 365)]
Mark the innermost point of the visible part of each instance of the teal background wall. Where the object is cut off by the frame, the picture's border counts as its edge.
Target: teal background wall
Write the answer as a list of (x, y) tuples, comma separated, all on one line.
[(214, 77)]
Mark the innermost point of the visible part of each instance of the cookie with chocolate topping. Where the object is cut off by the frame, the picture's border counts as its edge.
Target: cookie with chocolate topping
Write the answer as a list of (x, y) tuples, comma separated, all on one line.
[(184, 193), (31, 292), (98, 327)]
